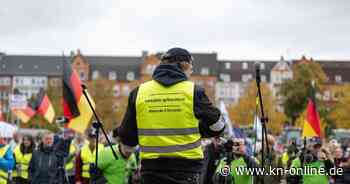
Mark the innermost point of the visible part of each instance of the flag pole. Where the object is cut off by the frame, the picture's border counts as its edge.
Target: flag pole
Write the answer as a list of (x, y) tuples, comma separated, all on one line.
[(263, 120), (98, 125)]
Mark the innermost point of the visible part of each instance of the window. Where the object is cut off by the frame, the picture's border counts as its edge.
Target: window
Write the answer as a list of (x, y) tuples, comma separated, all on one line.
[(116, 90), (20, 66), (130, 76), (262, 66), (82, 76), (3, 66), (246, 77), (36, 66), (95, 75), (112, 75), (225, 77), (33, 81), (244, 66), (126, 90), (228, 66), (338, 79), (205, 71), (150, 69), (327, 95), (263, 78)]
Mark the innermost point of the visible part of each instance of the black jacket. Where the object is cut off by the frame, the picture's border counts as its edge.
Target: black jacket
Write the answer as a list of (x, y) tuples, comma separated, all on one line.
[(47, 164), (205, 112)]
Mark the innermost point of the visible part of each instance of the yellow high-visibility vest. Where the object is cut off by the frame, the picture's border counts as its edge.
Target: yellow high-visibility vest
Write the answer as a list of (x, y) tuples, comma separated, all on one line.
[(22, 163), (285, 159), (70, 164), (3, 174), (167, 126), (88, 158)]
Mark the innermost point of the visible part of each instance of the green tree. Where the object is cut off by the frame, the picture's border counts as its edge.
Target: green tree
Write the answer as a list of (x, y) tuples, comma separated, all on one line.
[(296, 91)]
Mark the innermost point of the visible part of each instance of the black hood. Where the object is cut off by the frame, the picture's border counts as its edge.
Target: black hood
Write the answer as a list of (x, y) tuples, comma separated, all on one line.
[(169, 74)]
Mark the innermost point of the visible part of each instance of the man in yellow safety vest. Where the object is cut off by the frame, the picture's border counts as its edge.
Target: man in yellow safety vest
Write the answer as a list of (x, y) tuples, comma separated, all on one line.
[(167, 117), (85, 159)]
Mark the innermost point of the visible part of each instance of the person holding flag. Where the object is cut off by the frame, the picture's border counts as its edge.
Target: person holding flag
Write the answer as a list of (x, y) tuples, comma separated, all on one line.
[(313, 155)]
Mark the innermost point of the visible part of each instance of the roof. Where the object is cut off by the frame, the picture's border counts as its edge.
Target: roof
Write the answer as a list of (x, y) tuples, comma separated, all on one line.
[(334, 68), (31, 65), (236, 69), (205, 60), (120, 65)]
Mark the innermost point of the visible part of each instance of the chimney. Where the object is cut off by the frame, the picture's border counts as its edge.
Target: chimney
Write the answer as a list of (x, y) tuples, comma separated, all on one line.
[(303, 58), (281, 58), (78, 52), (144, 53), (2, 55), (72, 53)]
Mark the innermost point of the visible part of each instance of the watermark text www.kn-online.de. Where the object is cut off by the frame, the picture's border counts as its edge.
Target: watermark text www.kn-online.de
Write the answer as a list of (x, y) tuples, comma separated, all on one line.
[(226, 170)]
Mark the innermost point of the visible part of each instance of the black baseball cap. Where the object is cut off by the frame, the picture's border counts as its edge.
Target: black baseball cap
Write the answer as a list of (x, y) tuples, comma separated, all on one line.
[(177, 54)]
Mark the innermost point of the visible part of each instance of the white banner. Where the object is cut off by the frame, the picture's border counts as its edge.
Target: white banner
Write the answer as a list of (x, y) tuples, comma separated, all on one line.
[(18, 101)]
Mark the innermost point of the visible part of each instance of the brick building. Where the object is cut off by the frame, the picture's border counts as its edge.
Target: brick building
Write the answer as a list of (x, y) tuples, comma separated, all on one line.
[(223, 79)]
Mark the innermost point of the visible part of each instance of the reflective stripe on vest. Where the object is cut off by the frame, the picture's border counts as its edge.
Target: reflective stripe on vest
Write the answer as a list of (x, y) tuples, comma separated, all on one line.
[(3, 174), (22, 163), (88, 157), (166, 123)]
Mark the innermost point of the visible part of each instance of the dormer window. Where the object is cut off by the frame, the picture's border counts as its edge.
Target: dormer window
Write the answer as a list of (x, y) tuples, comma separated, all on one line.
[(244, 66), (130, 76), (205, 71)]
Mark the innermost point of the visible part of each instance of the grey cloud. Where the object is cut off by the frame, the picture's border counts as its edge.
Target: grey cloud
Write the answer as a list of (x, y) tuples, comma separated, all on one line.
[(22, 16)]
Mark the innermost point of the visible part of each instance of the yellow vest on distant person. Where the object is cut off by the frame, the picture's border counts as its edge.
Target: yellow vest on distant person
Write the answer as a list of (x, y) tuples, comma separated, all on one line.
[(88, 157), (70, 164), (167, 126), (3, 174), (22, 163)]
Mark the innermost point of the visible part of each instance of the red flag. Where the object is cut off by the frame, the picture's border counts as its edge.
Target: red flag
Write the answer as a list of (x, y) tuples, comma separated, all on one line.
[(75, 106), (312, 125), (44, 106)]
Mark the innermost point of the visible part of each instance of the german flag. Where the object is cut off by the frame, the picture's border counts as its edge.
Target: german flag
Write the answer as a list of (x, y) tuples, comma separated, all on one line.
[(24, 114), (312, 125), (44, 107), (75, 106)]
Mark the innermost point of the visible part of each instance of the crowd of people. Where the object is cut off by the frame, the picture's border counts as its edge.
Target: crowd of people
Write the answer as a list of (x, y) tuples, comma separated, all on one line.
[(170, 134), (69, 157), (64, 158), (328, 156)]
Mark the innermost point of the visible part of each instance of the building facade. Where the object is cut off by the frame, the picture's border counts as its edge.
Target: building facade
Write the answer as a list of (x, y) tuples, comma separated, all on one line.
[(224, 80)]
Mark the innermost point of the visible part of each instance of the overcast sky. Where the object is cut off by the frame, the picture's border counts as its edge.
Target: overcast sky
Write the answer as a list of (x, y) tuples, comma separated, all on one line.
[(235, 29)]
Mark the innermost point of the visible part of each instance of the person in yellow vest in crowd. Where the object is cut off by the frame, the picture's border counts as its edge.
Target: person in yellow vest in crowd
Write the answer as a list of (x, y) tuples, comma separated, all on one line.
[(314, 157), (86, 158), (70, 158), (7, 161), (231, 168), (23, 154), (167, 117)]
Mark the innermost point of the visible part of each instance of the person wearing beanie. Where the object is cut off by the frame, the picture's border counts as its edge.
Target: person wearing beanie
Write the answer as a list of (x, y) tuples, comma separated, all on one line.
[(167, 117)]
